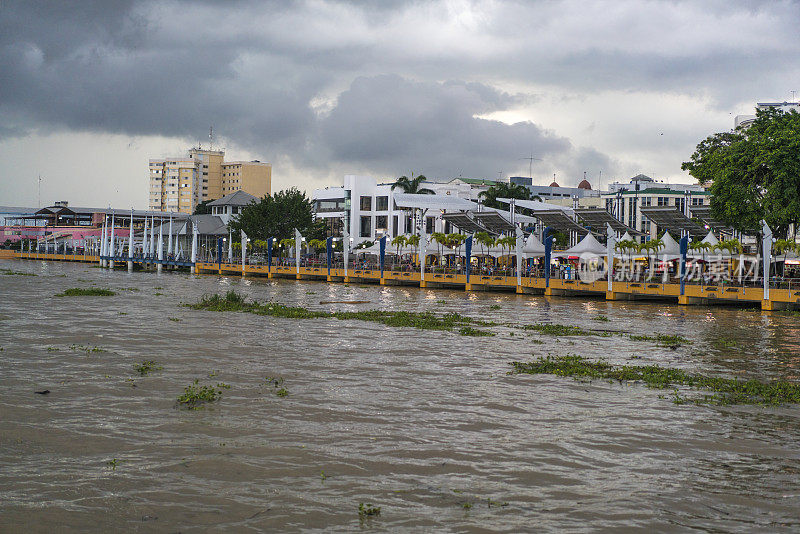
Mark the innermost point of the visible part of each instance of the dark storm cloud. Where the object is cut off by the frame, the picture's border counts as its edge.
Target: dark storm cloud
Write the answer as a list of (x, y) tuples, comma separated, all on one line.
[(401, 83), (432, 126)]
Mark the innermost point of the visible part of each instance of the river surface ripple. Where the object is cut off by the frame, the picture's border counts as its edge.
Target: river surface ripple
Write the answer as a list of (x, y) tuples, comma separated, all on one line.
[(417, 422)]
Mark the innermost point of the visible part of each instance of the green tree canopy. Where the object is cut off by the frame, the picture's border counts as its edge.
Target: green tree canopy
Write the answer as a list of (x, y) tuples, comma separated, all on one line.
[(203, 208), (277, 216), (505, 190), (753, 172), (413, 185)]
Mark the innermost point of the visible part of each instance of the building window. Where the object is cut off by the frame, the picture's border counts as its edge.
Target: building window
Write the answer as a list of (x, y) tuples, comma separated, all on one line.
[(394, 226), (366, 204), (429, 225), (366, 225), (381, 224), (381, 203)]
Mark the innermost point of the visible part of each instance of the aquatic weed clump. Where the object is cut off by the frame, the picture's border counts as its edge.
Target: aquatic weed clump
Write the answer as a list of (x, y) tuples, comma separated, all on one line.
[(196, 396), (663, 340), (554, 329), (146, 367), (232, 301), (725, 390), (83, 292)]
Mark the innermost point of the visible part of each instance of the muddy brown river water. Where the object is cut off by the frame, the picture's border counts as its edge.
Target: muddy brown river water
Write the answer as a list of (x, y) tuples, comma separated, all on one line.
[(425, 424)]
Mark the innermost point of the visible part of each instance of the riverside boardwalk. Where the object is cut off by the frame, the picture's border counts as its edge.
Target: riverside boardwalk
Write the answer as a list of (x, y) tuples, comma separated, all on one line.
[(693, 293)]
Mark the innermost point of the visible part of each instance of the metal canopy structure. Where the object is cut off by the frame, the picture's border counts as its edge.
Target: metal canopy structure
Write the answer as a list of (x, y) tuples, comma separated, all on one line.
[(560, 221), (493, 221), (597, 218), (439, 202), (704, 214), (671, 218), (464, 222)]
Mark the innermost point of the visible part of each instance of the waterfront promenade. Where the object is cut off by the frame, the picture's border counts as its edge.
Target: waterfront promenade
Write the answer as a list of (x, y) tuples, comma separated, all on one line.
[(693, 294)]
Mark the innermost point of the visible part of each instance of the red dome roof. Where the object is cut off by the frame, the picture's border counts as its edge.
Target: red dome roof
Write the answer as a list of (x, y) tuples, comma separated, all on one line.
[(585, 185), (554, 184)]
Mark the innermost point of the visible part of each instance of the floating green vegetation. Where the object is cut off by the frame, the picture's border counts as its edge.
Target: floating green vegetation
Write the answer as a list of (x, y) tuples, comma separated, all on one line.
[(11, 272), (113, 463), (283, 392), (323, 476), (90, 292), (368, 510), (86, 348), (158, 294), (474, 332), (130, 289), (174, 319), (158, 287), (233, 301), (553, 329), (146, 367), (52, 349), (196, 396), (491, 503), (466, 505), (724, 343), (601, 318), (664, 340), (725, 390), (441, 302), (275, 381), (494, 307)]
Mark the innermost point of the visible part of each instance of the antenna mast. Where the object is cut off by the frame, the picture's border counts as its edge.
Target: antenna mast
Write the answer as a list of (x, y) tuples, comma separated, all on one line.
[(530, 165), (211, 137), (39, 195)]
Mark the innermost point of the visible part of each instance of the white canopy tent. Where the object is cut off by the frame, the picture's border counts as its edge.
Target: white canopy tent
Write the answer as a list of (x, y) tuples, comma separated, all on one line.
[(670, 250), (533, 248), (588, 246)]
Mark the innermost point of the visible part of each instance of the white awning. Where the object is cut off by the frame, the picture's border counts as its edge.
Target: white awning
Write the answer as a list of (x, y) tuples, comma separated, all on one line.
[(536, 205), (437, 202)]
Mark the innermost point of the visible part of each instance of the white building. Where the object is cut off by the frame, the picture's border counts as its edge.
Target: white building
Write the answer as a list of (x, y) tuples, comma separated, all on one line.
[(368, 209), (626, 200), (747, 120)]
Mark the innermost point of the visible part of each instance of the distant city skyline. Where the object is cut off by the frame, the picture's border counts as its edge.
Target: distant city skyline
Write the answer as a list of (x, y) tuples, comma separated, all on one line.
[(326, 88)]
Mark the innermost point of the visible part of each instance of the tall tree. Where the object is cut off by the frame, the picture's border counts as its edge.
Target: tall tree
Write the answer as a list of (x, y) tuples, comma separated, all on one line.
[(277, 216), (505, 190), (203, 208), (753, 173), (413, 185)]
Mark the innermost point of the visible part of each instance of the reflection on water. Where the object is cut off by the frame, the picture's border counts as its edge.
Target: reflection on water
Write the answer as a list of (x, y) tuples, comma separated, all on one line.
[(420, 423)]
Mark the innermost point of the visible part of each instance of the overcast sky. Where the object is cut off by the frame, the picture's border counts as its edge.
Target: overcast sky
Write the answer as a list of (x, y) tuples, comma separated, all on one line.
[(90, 90)]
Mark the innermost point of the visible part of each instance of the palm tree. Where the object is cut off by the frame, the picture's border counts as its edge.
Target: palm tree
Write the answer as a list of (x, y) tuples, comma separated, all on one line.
[(505, 190), (412, 185), (398, 242), (441, 240)]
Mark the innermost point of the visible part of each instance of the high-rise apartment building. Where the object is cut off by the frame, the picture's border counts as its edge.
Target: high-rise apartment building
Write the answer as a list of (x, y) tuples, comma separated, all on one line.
[(179, 184)]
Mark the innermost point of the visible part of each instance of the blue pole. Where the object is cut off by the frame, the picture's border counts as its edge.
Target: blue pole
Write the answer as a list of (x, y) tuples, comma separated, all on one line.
[(468, 248), (329, 247), (684, 243), (383, 252), (269, 254), (548, 248)]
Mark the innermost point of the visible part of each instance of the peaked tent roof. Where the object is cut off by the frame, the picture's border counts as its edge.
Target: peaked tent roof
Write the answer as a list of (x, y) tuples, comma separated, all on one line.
[(626, 237), (587, 245), (710, 238), (532, 247)]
